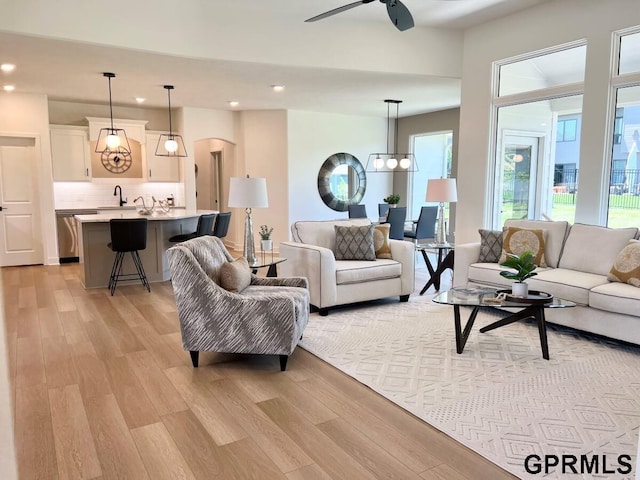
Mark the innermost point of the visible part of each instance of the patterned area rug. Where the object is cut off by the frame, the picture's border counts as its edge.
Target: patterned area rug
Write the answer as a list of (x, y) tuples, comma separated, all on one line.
[(499, 397)]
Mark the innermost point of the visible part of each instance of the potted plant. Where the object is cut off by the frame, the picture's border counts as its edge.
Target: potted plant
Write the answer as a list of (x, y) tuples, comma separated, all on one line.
[(266, 243), (524, 269), (392, 199)]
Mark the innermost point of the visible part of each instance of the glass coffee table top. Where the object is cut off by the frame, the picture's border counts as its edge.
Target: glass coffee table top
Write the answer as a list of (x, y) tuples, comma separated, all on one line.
[(486, 297)]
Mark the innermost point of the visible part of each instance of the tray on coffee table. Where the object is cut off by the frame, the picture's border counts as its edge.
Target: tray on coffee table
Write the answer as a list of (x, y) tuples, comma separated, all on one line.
[(534, 297)]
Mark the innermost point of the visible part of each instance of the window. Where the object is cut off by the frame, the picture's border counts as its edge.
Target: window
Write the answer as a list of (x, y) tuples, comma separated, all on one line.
[(566, 130), (617, 126), (629, 54), (433, 155)]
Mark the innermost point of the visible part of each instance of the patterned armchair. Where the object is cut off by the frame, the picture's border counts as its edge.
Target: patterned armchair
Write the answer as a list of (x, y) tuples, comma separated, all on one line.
[(267, 317)]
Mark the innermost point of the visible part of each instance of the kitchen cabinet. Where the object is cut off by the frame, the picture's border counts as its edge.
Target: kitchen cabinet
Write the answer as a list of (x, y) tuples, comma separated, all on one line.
[(160, 169), (70, 157)]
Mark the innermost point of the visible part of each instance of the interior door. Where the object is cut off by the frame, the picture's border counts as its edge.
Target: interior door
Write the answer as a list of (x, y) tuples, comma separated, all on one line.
[(20, 237)]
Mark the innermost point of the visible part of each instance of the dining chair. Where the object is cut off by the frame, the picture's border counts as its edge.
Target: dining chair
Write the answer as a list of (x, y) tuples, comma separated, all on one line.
[(396, 219), (425, 227), (357, 211)]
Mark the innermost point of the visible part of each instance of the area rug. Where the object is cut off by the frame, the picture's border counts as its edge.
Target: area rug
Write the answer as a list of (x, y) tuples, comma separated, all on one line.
[(499, 397)]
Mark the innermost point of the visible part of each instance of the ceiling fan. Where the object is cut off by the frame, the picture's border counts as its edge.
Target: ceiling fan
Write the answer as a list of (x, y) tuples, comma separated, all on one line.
[(398, 13)]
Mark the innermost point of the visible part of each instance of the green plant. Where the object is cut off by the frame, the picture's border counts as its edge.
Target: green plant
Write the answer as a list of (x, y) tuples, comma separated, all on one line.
[(522, 264), (392, 199), (265, 232)]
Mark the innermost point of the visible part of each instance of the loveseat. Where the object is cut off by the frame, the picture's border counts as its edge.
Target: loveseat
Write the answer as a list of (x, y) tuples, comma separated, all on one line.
[(579, 258), (338, 282)]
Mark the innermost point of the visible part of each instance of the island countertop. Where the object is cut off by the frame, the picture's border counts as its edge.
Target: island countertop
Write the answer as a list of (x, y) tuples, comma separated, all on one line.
[(177, 214)]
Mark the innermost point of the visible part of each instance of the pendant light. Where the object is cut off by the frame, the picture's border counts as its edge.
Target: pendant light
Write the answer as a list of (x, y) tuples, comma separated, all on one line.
[(113, 144), (170, 144), (392, 161)]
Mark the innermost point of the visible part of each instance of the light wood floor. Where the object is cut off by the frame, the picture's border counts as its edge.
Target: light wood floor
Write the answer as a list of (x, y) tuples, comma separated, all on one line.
[(102, 389)]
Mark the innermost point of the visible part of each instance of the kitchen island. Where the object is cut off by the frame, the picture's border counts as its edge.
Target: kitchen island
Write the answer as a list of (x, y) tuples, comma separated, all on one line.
[(96, 258)]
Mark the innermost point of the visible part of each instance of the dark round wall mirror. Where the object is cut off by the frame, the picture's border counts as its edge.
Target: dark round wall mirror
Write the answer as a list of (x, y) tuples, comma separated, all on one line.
[(341, 181)]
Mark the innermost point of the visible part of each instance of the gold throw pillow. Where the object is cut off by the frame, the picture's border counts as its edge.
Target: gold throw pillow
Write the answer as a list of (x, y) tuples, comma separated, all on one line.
[(518, 240), (381, 240), (626, 268)]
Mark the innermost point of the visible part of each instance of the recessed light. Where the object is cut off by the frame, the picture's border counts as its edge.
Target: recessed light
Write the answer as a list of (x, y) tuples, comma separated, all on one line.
[(140, 99), (233, 103), (277, 88), (9, 88), (7, 67)]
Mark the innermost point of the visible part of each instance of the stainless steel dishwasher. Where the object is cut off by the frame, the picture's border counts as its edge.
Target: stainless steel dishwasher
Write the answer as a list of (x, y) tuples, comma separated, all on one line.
[(68, 245)]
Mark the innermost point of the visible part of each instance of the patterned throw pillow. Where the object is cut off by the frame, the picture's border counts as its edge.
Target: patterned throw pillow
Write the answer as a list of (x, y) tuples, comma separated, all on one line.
[(381, 240), (519, 240), (235, 276), (490, 246), (626, 268), (354, 243)]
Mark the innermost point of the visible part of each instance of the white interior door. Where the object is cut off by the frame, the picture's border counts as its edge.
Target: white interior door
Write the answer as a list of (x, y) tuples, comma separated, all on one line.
[(20, 237)]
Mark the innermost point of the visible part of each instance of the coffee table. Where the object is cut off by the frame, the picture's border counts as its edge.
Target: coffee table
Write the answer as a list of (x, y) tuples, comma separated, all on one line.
[(482, 297)]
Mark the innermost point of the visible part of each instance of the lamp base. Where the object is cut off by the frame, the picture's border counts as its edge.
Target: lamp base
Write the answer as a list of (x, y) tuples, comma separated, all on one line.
[(249, 251), (441, 234)]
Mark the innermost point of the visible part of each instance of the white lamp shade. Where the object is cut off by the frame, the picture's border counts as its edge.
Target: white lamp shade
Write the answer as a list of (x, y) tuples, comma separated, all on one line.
[(246, 192), (442, 190)]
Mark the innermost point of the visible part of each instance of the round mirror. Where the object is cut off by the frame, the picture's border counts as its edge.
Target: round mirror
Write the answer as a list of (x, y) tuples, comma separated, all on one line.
[(341, 181)]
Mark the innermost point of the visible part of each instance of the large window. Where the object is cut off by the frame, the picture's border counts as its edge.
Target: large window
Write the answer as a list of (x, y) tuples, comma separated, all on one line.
[(433, 155), (537, 143)]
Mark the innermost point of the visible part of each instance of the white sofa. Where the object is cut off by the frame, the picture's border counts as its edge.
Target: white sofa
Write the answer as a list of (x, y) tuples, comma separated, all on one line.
[(338, 282), (579, 258)]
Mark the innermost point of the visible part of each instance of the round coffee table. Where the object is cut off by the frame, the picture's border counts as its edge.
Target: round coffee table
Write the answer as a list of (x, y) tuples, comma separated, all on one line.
[(484, 297)]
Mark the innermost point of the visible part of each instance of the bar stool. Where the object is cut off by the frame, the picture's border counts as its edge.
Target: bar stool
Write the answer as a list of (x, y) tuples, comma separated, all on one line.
[(205, 227), (127, 235), (222, 225)]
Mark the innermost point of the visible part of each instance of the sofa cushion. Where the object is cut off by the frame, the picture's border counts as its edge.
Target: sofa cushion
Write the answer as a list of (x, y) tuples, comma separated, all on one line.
[(354, 243), (593, 249), (490, 245), (568, 284), (626, 268), (381, 240), (556, 233), (321, 233), (355, 271), (519, 240), (488, 274), (616, 297), (235, 276)]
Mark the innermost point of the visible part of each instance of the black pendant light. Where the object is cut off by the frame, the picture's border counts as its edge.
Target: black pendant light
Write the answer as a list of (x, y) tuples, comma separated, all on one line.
[(170, 144), (113, 144), (392, 161)]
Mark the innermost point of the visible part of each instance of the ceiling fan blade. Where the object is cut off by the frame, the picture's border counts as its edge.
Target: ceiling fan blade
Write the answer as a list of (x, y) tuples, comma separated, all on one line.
[(399, 15), (337, 10)]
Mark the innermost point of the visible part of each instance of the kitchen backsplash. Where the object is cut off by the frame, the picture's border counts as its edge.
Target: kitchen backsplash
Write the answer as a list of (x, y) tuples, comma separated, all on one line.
[(70, 195)]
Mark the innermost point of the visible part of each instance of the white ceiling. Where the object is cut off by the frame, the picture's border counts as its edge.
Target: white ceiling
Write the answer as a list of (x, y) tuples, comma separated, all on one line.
[(71, 70)]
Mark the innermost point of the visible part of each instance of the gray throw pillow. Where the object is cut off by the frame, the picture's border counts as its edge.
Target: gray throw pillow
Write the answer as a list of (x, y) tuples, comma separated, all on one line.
[(490, 246), (354, 243)]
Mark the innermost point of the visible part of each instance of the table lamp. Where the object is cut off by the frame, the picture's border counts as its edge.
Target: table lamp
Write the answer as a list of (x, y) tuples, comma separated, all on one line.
[(248, 193), (441, 190)]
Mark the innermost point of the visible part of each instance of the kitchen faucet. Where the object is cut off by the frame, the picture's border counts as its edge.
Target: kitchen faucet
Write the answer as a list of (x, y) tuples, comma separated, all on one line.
[(115, 192)]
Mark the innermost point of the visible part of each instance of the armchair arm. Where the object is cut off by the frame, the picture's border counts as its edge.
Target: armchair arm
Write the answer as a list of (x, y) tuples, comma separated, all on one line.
[(315, 263), (404, 252), (465, 255), (300, 282), (213, 319)]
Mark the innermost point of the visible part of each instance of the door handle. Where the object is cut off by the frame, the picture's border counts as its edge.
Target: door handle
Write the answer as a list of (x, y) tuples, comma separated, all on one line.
[(3, 208)]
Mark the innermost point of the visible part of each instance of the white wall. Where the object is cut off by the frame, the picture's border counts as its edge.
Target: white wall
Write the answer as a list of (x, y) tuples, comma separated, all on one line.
[(313, 137), (27, 115), (74, 113), (561, 22)]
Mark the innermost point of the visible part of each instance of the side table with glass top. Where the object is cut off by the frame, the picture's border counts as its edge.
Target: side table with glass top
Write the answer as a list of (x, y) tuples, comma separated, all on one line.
[(267, 261), (484, 297), (444, 262)]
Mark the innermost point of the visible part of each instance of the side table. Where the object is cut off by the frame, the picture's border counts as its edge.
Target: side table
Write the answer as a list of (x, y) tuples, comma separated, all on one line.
[(267, 261), (441, 266)]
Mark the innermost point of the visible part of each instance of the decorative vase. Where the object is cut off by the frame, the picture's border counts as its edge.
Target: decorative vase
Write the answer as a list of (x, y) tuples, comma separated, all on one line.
[(266, 245), (393, 205), (520, 289)]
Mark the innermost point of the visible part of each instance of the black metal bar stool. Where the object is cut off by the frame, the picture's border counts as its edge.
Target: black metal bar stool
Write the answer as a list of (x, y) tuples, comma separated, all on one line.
[(127, 235), (205, 227)]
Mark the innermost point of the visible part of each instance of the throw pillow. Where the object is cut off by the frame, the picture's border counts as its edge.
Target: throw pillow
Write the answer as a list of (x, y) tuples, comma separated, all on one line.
[(519, 240), (381, 241), (235, 276), (354, 243), (626, 268), (490, 246)]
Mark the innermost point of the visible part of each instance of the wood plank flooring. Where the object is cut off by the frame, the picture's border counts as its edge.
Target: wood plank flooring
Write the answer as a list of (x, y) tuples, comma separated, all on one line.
[(101, 388)]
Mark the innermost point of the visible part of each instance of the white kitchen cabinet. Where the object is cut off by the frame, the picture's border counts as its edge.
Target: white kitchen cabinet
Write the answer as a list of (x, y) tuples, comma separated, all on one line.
[(160, 169), (70, 153)]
